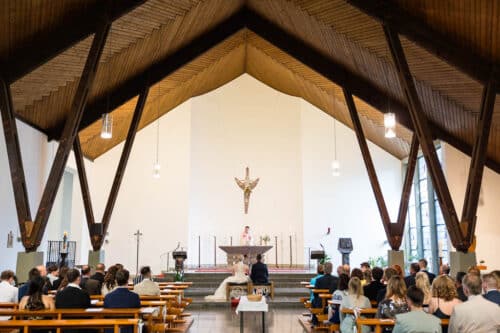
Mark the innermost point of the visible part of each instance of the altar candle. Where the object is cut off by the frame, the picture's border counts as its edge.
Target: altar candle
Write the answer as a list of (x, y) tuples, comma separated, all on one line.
[(440, 248)]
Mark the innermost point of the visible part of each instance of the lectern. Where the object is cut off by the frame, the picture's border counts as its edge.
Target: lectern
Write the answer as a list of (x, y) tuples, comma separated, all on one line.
[(345, 247), (179, 257)]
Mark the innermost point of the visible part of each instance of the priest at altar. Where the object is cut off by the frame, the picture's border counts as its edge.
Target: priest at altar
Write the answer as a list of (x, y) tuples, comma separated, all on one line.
[(246, 238)]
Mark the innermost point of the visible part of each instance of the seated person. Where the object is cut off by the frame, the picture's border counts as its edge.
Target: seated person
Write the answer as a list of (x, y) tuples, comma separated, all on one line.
[(395, 299), (71, 296), (416, 320), (320, 271), (8, 293), (337, 297), (121, 297), (490, 286), (147, 286), (259, 273), (371, 289), (354, 299), (35, 299), (444, 298), (240, 271), (327, 281)]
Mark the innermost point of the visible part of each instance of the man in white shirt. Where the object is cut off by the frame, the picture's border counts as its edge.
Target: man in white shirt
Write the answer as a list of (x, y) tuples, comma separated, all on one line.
[(147, 286), (477, 314), (8, 293), (246, 238)]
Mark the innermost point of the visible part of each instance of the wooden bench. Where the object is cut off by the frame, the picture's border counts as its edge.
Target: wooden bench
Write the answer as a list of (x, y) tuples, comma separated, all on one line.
[(26, 325), (266, 288), (379, 324), (308, 327), (241, 288)]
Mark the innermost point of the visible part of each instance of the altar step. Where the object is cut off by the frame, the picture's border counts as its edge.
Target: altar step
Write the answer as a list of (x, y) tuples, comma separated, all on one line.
[(287, 288)]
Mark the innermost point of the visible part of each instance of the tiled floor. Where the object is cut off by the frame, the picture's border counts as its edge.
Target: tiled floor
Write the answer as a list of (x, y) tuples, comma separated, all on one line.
[(225, 320)]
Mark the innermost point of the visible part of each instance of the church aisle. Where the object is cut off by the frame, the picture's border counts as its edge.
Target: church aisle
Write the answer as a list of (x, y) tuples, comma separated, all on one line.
[(216, 320)]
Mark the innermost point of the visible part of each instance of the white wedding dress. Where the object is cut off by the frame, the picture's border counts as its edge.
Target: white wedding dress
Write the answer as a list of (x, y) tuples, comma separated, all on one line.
[(239, 277)]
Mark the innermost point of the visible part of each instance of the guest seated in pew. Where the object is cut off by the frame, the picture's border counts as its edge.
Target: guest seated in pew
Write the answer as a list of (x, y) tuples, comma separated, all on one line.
[(460, 288), (414, 269), (259, 273), (327, 281), (337, 297), (109, 283), (52, 275), (34, 272), (356, 272), (388, 273), (398, 269), (121, 297), (496, 274), (355, 299), (423, 268), (371, 290), (320, 271), (147, 286), (490, 286), (395, 299), (35, 299), (99, 274), (477, 314), (416, 320), (87, 283), (8, 293), (56, 285), (367, 277), (71, 296), (422, 282), (444, 298)]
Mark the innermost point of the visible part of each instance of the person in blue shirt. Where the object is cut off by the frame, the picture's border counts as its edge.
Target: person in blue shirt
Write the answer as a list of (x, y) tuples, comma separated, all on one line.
[(320, 272)]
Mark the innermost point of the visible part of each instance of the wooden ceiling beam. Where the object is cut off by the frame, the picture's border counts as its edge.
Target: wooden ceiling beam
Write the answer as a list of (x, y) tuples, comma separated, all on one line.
[(389, 13), (478, 158), (70, 30), (15, 160), (424, 134), (69, 134), (157, 71)]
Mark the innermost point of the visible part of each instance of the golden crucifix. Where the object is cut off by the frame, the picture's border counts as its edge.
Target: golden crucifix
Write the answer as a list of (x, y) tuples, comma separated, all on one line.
[(247, 185)]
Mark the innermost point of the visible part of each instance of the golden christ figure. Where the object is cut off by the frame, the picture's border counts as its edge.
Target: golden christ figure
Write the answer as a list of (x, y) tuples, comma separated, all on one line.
[(247, 185)]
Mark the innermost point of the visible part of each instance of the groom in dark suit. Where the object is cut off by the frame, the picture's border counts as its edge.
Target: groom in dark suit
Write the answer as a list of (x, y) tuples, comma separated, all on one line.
[(121, 297), (259, 273)]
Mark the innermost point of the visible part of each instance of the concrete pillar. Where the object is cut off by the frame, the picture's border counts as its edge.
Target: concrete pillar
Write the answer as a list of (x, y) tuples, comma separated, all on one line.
[(460, 262), (95, 257), (396, 258), (25, 262)]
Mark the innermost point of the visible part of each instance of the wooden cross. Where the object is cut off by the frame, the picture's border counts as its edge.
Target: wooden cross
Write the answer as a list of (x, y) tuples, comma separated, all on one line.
[(138, 235), (247, 185)]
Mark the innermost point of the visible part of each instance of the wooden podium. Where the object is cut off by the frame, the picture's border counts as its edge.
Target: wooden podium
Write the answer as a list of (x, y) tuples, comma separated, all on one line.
[(251, 251)]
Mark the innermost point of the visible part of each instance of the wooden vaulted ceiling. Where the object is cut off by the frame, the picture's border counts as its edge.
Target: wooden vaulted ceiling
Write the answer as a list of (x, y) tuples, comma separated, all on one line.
[(305, 48)]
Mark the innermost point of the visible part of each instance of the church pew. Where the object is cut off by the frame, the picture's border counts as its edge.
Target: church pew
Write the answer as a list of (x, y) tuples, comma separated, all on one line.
[(8, 305), (27, 325), (379, 324)]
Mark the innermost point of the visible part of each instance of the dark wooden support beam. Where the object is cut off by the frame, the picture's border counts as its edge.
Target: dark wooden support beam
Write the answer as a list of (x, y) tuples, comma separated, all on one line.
[(69, 31), (84, 184), (97, 240), (158, 71), (15, 160), (399, 226), (424, 134), (68, 137), (370, 168), (390, 14), (478, 158)]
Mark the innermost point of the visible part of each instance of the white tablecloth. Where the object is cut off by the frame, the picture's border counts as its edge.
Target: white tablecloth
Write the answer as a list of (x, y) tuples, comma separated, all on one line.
[(246, 305)]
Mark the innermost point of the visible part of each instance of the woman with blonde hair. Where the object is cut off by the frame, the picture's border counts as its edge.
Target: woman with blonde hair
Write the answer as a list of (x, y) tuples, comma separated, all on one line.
[(422, 282), (444, 298), (395, 299), (354, 299)]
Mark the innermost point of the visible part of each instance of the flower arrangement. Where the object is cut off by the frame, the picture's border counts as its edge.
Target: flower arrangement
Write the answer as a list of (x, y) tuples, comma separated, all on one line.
[(266, 239)]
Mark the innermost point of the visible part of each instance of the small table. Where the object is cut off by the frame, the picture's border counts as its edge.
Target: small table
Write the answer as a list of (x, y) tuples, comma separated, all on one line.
[(247, 306)]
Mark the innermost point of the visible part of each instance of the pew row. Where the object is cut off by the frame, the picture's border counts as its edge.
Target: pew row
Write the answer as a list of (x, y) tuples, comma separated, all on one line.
[(58, 324)]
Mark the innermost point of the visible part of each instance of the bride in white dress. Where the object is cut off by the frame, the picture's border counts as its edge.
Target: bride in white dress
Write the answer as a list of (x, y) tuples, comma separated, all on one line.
[(240, 271)]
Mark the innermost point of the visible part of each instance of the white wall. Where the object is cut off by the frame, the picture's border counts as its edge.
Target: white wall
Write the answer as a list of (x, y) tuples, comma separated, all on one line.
[(245, 123), (157, 207), (345, 203), (456, 167)]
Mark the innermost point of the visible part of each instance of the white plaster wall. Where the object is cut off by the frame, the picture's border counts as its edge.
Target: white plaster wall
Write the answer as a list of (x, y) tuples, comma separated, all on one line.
[(456, 167), (158, 207), (345, 203), (245, 123)]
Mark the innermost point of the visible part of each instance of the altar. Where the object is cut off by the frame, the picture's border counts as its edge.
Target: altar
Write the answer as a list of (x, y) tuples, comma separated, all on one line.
[(250, 251)]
